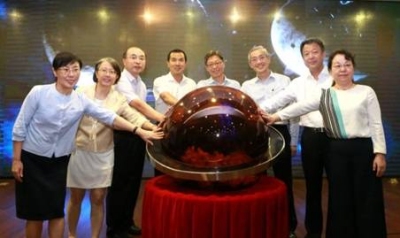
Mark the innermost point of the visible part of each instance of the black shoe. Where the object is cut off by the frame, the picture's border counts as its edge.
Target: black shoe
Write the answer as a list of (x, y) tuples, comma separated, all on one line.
[(292, 235), (134, 230), (111, 233), (119, 235)]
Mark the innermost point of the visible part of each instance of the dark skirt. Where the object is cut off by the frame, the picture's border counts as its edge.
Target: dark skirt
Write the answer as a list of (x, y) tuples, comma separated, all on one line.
[(41, 195)]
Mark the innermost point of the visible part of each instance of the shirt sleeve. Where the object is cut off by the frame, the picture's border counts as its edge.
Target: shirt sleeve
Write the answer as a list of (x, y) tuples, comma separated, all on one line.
[(102, 114), (375, 123), (245, 88), (157, 88), (25, 114), (235, 84), (201, 83), (125, 87), (301, 107), (280, 100), (131, 115)]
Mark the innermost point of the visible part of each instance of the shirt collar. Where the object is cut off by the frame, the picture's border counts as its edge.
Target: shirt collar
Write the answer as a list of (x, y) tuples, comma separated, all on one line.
[(214, 82), (171, 78), (323, 75), (130, 77), (270, 78)]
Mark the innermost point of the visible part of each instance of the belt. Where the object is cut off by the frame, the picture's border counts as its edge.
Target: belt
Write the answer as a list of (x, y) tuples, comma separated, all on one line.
[(280, 126), (315, 129)]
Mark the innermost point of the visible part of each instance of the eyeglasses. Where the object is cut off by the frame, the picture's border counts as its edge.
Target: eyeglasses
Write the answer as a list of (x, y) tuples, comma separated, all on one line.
[(105, 71), (340, 66), (66, 70), (212, 64), (258, 58)]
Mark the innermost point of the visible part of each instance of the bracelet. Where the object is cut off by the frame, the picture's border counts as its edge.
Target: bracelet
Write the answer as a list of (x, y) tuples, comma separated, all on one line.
[(134, 130)]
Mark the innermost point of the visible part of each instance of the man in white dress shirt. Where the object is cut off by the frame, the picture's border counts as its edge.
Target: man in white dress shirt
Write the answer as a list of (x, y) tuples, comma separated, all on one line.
[(169, 88), (129, 150), (215, 66), (314, 141), (264, 86)]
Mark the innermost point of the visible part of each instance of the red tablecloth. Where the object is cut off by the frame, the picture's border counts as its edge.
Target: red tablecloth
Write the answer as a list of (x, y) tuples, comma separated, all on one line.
[(174, 211)]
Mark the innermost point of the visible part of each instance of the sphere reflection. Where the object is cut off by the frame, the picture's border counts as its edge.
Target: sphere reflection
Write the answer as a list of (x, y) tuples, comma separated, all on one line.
[(215, 134), (215, 127)]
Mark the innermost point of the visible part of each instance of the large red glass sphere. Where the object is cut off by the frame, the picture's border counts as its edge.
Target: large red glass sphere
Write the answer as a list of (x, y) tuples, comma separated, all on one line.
[(215, 127), (213, 134)]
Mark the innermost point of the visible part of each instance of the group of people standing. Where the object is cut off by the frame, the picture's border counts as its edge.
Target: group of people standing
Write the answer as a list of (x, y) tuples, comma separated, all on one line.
[(65, 138), (57, 125), (343, 134)]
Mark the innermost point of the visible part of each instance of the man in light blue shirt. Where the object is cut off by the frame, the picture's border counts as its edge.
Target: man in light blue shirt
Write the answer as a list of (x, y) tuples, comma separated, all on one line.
[(215, 66)]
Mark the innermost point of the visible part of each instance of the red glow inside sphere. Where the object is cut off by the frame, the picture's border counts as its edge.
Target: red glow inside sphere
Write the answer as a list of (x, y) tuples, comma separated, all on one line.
[(215, 127)]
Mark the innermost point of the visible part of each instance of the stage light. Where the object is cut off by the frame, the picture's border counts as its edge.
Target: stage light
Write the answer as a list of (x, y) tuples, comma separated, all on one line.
[(103, 15), (148, 17), (235, 16), (15, 15), (362, 17)]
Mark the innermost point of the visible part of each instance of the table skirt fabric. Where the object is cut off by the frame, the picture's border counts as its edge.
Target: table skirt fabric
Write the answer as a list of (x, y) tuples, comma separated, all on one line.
[(171, 210)]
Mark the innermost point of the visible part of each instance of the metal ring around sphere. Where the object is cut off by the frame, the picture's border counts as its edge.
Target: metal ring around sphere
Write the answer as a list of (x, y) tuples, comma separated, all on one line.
[(180, 170)]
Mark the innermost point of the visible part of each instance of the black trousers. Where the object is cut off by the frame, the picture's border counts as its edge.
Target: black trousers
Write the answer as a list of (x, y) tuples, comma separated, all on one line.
[(314, 146), (121, 198), (282, 168), (356, 205)]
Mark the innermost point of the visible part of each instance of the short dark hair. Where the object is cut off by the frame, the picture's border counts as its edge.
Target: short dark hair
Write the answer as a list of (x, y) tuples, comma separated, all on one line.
[(347, 56), (114, 65), (125, 53), (65, 58), (176, 51), (212, 53), (310, 41)]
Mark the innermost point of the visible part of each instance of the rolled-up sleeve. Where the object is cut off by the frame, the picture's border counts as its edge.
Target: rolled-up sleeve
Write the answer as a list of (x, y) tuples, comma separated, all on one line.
[(25, 115)]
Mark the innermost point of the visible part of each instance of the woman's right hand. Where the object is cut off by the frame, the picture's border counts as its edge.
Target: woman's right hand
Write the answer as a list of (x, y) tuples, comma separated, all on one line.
[(17, 169), (148, 136), (379, 164)]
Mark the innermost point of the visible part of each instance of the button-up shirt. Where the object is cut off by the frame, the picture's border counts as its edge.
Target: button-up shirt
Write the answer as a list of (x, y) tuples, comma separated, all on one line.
[(48, 120), (131, 87), (300, 89), (167, 83)]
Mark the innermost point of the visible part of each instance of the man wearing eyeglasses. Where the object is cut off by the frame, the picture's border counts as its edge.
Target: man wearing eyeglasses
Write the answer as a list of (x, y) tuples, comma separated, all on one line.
[(215, 66), (261, 88), (129, 150)]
